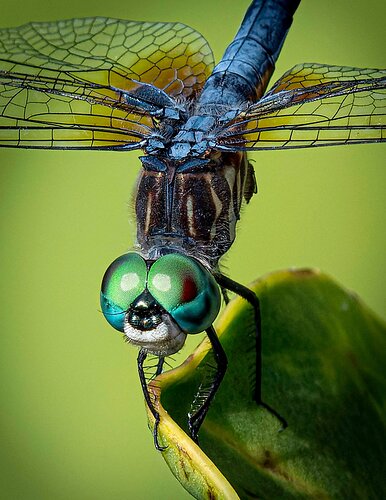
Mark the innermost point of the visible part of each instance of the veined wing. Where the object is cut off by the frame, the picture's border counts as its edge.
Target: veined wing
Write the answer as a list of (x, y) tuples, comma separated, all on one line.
[(95, 82), (313, 105)]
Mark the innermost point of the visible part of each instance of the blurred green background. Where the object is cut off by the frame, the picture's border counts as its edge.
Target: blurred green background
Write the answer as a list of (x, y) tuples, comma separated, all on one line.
[(72, 421)]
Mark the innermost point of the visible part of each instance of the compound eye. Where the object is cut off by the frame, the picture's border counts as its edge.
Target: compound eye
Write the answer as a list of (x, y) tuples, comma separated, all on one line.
[(123, 281), (186, 290)]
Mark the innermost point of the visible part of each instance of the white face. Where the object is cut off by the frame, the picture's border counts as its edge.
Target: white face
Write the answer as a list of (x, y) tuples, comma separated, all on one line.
[(163, 340)]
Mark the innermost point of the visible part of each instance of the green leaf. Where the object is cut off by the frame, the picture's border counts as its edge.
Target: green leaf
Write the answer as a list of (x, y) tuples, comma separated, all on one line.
[(323, 371)]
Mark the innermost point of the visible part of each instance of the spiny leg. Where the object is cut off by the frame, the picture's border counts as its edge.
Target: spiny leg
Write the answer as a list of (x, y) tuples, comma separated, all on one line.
[(252, 298), (140, 361), (160, 366), (205, 397)]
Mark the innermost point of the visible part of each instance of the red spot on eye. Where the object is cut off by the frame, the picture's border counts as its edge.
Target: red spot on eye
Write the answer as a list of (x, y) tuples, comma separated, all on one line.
[(189, 289)]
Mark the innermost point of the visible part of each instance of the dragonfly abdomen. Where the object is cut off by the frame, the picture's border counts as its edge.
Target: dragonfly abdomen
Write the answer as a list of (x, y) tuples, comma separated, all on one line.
[(248, 63), (239, 79)]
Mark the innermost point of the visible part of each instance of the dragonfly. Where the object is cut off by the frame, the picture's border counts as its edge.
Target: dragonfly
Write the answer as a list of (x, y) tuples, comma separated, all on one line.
[(108, 84)]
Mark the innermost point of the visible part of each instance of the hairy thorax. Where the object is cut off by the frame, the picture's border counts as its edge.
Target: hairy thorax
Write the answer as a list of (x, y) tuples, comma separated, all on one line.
[(192, 205)]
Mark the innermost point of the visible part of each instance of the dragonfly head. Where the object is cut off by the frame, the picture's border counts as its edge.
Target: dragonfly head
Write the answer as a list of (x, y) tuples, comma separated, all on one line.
[(157, 303)]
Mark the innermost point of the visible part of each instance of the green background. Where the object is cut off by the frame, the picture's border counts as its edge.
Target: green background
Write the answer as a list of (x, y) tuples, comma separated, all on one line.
[(72, 422)]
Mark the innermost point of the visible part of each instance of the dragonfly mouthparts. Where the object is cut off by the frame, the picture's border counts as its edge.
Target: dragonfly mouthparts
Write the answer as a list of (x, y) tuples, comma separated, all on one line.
[(164, 339)]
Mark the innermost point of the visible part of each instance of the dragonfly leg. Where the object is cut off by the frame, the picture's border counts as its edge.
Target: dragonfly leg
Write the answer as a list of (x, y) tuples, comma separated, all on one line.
[(206, 394), (225, 295), (160, 366), (253, 300), (140, 361)]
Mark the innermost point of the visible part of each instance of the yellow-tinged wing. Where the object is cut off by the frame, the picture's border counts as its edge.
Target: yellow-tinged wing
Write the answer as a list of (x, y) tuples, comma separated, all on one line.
[(85, 83), (313, 105)]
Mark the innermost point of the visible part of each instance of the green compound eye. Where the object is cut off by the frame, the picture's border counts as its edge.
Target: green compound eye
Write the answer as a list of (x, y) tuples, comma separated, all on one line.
[(186, 290), (123, 281)]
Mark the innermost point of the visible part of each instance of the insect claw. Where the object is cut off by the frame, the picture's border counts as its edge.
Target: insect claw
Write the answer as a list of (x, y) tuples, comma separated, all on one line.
[(193, 433), (155, 437), (282, 420)]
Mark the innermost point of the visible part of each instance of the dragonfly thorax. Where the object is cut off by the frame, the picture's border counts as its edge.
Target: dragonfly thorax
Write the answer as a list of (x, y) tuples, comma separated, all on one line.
[(192, 206), (195, 139), (179, 141)]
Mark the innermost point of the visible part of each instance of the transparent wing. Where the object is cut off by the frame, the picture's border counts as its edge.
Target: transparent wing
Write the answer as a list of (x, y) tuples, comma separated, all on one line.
[(95, 82), (313, 105)]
